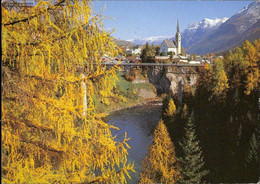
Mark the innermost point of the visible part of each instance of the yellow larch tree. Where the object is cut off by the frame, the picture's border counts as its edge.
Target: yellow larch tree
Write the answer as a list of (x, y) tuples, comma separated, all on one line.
[(222, 83), (51, 57), (252, 71), (171, 108), (160, 165)]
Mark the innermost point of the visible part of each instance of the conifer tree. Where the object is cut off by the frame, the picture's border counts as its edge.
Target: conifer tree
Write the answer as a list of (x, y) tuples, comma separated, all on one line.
[(220, 80), (192, 161), (144, 53), (153, 51), (160, 164), (51, 132), (171, 108), (252, 160), (157, 50), (252, 68), (222, 84), (205, 80)]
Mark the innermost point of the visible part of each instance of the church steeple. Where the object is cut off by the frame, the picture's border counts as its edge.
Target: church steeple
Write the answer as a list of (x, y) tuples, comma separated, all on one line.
[(178, 39), (178, 30)]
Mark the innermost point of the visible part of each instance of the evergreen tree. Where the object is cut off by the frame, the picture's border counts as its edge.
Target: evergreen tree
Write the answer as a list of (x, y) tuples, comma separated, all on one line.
[(192, 161), (203, 91), (144, 53), (163, 54), (160, 164), (157, 50), (147, 53), (153, 50), (252, 160)]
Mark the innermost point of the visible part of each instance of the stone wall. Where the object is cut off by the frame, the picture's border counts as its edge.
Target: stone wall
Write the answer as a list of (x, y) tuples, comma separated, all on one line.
[(166, 82)]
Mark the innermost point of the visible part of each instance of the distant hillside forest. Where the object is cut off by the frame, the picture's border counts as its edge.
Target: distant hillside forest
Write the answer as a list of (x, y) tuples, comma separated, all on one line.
[(214, 130)]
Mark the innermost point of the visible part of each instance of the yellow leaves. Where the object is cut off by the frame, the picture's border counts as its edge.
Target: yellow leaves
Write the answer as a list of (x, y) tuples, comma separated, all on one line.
[(171, 110), (160, 164), (222, 83), (207, 66), (5, 15), (252, 81), (252, 72), (50, 139)]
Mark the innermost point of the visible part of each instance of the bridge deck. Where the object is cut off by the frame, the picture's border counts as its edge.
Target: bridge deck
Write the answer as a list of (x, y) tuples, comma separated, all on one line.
[(152, 64)]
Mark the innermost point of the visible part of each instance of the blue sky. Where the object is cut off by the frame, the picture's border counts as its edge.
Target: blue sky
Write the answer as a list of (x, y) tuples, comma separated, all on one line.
[(142, 19)]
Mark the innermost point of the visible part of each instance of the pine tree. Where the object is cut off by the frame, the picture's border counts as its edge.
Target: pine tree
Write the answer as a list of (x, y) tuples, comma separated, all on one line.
[(192, 161), (144, 54), (157, 50), (153, 51), (160, 164), (171, 108), (252, 160)]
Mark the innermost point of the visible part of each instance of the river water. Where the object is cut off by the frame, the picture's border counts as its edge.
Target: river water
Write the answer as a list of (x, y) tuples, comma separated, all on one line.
[(139, 122)]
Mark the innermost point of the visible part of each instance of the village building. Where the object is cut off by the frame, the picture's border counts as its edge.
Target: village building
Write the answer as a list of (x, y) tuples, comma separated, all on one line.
[(172, 46), (135, 51)]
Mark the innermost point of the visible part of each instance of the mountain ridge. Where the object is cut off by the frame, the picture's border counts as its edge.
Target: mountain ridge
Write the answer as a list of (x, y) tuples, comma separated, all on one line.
[(215, 35), (231, 33)]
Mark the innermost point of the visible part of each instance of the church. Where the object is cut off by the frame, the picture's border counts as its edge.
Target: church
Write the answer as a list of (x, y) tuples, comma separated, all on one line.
[(172, 46)]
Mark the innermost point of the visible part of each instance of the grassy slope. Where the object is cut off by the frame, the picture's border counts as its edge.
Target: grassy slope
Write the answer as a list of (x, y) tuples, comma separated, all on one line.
[(125, 95)]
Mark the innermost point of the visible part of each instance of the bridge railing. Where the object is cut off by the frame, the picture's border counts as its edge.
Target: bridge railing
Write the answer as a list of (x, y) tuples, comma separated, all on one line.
[(151, 64)]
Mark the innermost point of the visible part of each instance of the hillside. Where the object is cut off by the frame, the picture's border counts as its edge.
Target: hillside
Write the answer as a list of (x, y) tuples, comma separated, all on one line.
[(243, 25)]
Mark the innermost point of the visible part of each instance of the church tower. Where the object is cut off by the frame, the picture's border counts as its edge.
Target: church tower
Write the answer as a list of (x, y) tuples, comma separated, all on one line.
[(178, 39)]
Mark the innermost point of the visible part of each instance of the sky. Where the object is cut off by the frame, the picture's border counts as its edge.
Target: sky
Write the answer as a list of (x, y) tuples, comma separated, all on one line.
[(142, 19)]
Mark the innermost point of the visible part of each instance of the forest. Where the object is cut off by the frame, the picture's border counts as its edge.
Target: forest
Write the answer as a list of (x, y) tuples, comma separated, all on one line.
[(215, 131)]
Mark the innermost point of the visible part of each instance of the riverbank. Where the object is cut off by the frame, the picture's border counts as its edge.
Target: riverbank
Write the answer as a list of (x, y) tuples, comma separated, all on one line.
[(128, 94), (145, 102)]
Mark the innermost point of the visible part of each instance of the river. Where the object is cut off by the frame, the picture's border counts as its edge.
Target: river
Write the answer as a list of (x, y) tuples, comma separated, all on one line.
[(139, 123)]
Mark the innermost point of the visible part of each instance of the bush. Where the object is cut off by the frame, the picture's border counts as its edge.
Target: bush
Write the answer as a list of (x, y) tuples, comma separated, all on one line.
[(163, 54), (129, 77)]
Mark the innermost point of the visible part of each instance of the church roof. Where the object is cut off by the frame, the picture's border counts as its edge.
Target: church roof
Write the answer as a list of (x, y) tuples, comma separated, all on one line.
[(178, 30), (169, 43)]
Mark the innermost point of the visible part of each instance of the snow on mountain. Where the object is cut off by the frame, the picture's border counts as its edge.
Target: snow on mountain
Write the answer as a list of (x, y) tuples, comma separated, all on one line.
[(252, 9), (249, 15), (199, 27), (197, 30), (207, 23), (151, 40), (242, 25)]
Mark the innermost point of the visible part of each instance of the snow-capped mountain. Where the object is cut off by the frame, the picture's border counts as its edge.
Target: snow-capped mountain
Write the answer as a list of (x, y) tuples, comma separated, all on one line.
[(216, 35), (206, 23), (151, 40), (243, 25), (197, 30), (246, 17)]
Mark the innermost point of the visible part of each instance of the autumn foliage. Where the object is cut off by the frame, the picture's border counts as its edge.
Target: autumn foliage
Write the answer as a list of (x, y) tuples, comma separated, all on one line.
[(160, 165), (50, 130), (171, 108)]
